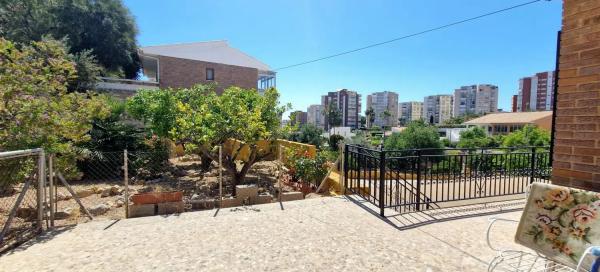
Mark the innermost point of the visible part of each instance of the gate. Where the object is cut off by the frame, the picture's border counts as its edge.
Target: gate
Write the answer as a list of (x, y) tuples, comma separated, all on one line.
[(22, 194), (421, 179)]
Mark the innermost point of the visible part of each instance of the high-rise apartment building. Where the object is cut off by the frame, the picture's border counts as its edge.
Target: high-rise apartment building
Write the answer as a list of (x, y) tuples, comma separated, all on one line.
[(536, 92), (301, 118), (437, 108), (514, 100), (475, 99), (410, 111), (347, 103), (316, 116), (385, 108)]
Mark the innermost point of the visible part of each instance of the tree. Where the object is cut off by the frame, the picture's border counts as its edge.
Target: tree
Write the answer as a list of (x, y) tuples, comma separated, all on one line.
[(308, 134), (36, 110), (203, 120), (333, 115), (527, 136), (105, 28), (475, 137), (370, 113), (417, 135), (386, 116)]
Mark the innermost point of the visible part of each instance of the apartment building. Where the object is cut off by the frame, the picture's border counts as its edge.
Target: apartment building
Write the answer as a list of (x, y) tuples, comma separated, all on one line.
[(536, 92), (475, 99), (316, 116), (410, 111), (385, 108), (299, 118), (347, 103), (437, 108)]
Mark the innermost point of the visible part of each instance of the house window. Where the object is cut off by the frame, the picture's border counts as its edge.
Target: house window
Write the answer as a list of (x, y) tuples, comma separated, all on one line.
[(210, 74)]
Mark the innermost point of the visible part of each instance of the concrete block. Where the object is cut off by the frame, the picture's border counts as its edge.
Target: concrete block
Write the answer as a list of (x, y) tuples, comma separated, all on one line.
[(203, 204), (170, 207), (139, 210), (262, 199), (244, 192), (230, 202), (291, 196)]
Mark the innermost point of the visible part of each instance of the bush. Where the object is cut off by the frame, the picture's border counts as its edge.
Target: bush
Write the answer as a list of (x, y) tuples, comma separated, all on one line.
[(417, 135), (334, 141), (308, 134)]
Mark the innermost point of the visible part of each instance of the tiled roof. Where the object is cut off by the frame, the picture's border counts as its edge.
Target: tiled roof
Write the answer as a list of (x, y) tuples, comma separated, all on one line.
[(211, 51), (510, 118)]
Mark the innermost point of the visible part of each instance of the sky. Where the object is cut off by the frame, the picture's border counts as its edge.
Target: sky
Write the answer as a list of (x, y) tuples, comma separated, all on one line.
[(498, 49)]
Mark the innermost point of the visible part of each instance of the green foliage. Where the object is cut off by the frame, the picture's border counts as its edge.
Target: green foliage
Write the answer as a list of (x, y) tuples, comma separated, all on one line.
[(370, 113), (310, 170), (107, 28), (527, 136), (459, 120), (334, 141), (308, 134), (475, 137), (333, 115), (36, 110), (88, 70), (201, 119), (360, 138), (416, 135)]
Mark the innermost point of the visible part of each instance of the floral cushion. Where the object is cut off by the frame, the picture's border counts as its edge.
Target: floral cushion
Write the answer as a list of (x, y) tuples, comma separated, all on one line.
[(560, 222)]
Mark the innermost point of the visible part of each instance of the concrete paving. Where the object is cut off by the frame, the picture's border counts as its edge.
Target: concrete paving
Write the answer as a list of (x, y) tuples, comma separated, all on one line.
[(333, 233)]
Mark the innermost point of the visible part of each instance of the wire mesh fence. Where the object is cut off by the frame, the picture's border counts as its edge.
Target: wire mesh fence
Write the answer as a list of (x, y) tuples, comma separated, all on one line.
[(19, 197)]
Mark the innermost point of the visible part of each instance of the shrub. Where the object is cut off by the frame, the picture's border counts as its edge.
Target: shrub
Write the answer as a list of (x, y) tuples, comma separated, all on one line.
[(334, 141)]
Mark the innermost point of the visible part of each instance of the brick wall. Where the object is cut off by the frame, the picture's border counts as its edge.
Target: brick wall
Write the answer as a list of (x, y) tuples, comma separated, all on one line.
[(577, 138), (184, 73)]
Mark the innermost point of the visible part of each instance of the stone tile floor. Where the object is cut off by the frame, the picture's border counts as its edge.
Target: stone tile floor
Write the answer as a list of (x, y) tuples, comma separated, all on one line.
[(332, 233)]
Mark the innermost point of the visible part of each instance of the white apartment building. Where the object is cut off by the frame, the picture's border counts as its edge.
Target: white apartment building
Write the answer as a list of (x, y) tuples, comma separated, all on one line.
[(410, 111), (475, 99), (385, 108), (316, 116), (437, 108)]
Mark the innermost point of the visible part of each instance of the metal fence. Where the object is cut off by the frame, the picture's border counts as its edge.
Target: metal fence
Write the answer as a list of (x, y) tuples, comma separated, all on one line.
[(419, 179), (22, 196)]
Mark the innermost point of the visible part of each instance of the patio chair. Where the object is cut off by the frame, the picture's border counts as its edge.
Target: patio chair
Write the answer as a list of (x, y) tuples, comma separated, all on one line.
[(559, 225)]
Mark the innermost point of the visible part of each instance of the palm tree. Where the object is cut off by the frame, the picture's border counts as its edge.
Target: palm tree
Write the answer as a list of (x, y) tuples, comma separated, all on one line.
[(370, 113)]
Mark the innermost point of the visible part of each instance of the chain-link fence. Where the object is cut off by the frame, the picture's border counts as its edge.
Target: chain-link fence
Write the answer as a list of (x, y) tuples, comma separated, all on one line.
[(93, 184), (20, 197)]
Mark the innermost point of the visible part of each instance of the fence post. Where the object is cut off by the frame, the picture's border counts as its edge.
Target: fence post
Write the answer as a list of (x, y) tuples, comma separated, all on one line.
[(345, 168), (417, 194), (381, 182), (41, 186), (51, 187), (532, 172), (126, 181), (220, 176)]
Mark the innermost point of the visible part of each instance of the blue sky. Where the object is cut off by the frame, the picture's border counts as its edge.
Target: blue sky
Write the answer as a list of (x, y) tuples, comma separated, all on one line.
[(498, 50)]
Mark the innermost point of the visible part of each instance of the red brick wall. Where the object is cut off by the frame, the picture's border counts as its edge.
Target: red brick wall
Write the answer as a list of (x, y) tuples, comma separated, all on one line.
[(577, 138), (184, 73)]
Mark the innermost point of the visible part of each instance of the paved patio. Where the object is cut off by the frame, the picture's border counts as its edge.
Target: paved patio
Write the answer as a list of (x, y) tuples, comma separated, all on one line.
[(310, 235)]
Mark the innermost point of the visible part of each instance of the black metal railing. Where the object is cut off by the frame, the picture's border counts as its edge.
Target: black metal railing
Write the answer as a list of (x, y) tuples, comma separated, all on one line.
[(418, 179)]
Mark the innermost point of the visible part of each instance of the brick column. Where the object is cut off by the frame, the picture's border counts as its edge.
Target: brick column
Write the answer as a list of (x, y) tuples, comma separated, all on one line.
[(577, 138)]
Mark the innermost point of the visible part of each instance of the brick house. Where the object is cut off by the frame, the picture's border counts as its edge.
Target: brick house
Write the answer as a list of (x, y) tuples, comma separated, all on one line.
[(184, 65), (577, 125)]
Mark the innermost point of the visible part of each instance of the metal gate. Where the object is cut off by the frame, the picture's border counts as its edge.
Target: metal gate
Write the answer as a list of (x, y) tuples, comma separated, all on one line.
[(22, 196)]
